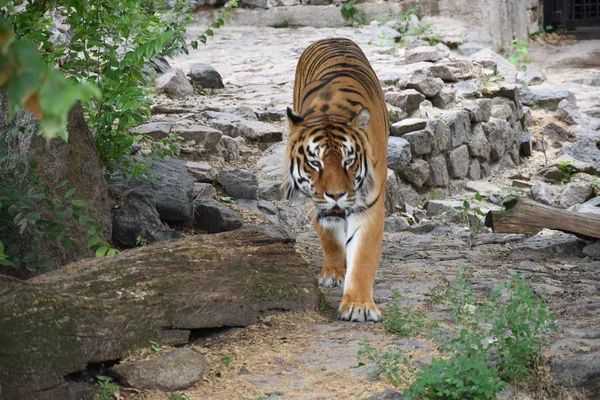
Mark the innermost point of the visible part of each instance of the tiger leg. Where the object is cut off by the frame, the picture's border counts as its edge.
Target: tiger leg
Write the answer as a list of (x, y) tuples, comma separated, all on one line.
[(334, 254), (365, 238)]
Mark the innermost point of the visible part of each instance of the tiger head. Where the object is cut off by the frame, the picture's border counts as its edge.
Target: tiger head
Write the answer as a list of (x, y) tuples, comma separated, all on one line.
[(327, 161)]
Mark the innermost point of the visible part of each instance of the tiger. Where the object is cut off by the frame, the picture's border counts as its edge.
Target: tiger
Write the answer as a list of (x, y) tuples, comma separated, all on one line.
[(336, 157)]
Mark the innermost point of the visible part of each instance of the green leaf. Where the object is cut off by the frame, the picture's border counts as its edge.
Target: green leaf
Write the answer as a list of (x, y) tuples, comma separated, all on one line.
[(78, 203), (101, 251), (94, 240), (70, 192), (61, 184), (478, 196)]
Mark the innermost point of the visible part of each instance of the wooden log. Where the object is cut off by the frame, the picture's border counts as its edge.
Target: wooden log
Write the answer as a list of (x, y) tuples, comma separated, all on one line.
[(529, 217), (101, 309)]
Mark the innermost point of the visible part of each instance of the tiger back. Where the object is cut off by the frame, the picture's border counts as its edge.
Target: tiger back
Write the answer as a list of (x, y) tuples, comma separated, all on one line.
[(336, 156)]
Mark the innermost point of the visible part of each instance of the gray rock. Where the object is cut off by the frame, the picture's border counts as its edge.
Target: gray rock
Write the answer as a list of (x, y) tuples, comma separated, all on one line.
[(503, 66), (468, 88), (479, 110), (232, 148), (395, 224), (245, 113), (439, 172), (508, 91), (174, 370), (417, 172), (160, 64), (546, 99), (591, 206), (531, 77), (586, 149), (478, 145), (421, 53), (271, 115), (239, 184), (506, 162), (443, 72), (592, 250), (205, 76), (172, 187), (445, 98), (421, 142), (398, 153), (460, 126), (575, 193), (204, 190), (425, 83), (257, 131), (543, 193), (449, 208), (474, 171), (408, 100), (458, 162), (223, 116), (214, 217), (500, 135), (206, 136), (292, 216), (580, 371), (393, 197), (269, 190), (477, 39), (200, 171), (407, 125), (387, 394), (526, 148), (156, 130), (174, 84), (562, 243), (568, 113), (135, 217), (442, 137)]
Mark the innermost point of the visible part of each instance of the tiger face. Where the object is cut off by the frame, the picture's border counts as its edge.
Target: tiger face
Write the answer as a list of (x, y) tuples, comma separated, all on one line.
[(328, 163)]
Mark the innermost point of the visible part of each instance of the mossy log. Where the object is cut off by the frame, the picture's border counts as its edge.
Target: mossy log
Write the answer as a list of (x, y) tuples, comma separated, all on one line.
[(529, 217), (101, 309)]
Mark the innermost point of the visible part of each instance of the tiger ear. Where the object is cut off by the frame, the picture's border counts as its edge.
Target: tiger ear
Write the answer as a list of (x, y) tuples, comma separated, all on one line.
[(362, 118), (294, 118)]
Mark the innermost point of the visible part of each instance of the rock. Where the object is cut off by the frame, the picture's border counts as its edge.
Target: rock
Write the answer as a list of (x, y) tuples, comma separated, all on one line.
[(232, 148), (592, 250), (447, 207), (160, 64), (214, 217), (478, 145), (174, 370), (591, 206), (135, 217), (425, 83), (477, 39), (269, 190), (546, 99), (421, 53), (503, 66), (156, 130), (205, 76), (543, 193), (443, 72), (439, 172), (479, 110), (445, 98), (398, 153), (174, 84), (387, 394), (586, 149), (395, 224), (508, 91), (458, 162), (200, 171), (407, 125), (556, 132), (468, 88), (206, 136), (257, 131), (393, 197), (580, 371), (239, 184), (576, 165), (271, 115), (421, 142), (500, 135), (292, 216), (460, 126), (526, 148), (474, 171), (417, 172), (568, 113), (506, 162), (204, 190), (408, 100), (75, 161), (505, 109), (442, 137), (530, 77), (575, 193)]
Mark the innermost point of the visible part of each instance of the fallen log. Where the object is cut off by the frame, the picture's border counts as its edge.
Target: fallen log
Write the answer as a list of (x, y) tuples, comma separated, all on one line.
[(101, 309), (529, 217)]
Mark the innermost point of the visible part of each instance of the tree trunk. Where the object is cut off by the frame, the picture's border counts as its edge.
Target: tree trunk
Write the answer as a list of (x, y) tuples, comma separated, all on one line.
[(529, 217), (100, 309)]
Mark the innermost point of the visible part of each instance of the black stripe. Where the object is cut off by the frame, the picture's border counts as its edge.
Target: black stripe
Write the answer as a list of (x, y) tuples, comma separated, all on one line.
[(352, 237)]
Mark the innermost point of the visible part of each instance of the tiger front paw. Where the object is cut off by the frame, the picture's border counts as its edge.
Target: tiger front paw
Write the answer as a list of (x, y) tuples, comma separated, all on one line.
[(358, 311), (331, 277)]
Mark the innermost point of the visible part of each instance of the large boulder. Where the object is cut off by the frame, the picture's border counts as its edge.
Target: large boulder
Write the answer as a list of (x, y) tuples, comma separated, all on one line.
[(75, 161), (205, 76)]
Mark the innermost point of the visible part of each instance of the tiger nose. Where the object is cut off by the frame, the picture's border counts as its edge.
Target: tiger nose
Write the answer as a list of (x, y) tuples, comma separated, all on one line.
[(336, 195)]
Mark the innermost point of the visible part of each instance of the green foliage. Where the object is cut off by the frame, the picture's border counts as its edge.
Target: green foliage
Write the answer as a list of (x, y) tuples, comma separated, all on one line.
[(393, 116), (405, 321), (567, 169), (391, 364), (352, 14), (595, 184), (140, 241), (519, 54), (542, 32), (459, 378), (402, 25), (106, 389), (469, 214), (219, 22)]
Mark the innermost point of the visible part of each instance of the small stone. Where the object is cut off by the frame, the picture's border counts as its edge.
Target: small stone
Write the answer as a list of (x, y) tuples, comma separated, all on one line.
[(442, 137), (206, 136), (393, 197), (474, 172), (443, 72), (396, 224), (468, 88), (439, 172), (445, 98), (479, 110), (398, 154), (546, 99), (556, 132), (407, 125), (256, 131), (214, 217), (174, 84), (458, 162), (239, 184), (575, 193), (408, 100), (421, 142), (447, 207), (200, 171), (417, 172), (499, 134), (592, 250), (204, 190), (543, 193), (160, 64), (526, 148), (531, 77), (421, 53), (156, 130), (243, 112), (568, 113), (591, 206), (205, 76), (271, 115), (580, 371), (269, 190), (460, 126), (488, 58), (232, 148), (586, 149)]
